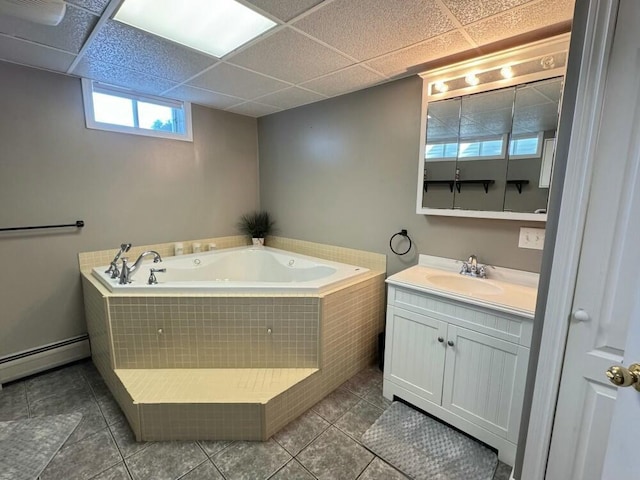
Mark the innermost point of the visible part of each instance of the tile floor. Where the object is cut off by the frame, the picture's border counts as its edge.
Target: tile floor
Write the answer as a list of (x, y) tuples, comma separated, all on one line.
[(322, 444)]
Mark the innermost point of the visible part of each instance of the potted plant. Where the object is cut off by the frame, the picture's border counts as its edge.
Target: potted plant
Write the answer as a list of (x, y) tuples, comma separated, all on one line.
[(257, 225)]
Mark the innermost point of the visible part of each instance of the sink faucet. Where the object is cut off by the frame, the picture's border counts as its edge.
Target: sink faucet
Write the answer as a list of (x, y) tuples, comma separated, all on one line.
[(128, 271), (472, 268), (113, 266)]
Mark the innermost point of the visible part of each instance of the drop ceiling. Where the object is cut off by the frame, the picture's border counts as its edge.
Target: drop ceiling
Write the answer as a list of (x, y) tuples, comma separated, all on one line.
[(317, 50)]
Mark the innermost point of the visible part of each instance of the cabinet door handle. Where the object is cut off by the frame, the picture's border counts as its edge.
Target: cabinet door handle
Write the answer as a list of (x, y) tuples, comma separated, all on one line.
[(450, 343), (440, 339)]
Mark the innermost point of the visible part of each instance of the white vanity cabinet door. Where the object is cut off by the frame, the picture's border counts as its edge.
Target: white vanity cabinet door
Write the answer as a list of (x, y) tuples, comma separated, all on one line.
[(484, 380), (416, 358)]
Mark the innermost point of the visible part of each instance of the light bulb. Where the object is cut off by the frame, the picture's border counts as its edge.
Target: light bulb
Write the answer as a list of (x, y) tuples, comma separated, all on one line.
[(441, 87), (472, 79), (506, 72)]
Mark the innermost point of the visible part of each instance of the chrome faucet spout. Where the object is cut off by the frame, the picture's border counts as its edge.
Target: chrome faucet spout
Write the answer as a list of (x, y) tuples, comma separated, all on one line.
[(128, 271), (472, 268)]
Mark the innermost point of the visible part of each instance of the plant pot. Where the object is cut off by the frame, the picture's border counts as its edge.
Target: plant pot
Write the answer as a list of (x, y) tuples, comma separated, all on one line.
[(258, 242)]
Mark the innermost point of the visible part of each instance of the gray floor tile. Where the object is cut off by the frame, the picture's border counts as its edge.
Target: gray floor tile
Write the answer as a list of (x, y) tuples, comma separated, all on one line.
[(73, 401), (125, 439), (364, 381), (374, 397), (84, 459), (379, 470), (56, 382), (333, 455), (292, 471), (117, 472), (503, 472), (110, 409), (357, 420), (13, 402), (211, 447), (336, 404), (165, 460), (205, 471), (251, 460), (301, 432)]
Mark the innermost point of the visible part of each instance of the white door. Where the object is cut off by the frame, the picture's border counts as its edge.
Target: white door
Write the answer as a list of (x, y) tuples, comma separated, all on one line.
[(607, 287)]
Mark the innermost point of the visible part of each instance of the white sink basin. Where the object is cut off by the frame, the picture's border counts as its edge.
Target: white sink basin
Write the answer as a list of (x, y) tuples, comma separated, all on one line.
[(468, 285)]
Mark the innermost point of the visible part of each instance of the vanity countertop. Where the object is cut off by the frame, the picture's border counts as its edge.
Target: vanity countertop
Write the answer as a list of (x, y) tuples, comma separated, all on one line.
[(507, 290)]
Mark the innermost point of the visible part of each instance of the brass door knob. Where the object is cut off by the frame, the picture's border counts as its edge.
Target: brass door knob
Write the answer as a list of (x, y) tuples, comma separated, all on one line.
[(625, 377)]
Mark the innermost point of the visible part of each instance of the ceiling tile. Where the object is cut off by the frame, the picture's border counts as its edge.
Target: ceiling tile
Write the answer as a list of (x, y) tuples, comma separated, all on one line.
[(285, 9), (232, 80), (203, 97), (469, 11), (521, 20), (291, 97), (69, 35), (413, 58), (253, 109), (95, 6), (117, 75), (128, 47), (275, 56), (353, 78), (26, 53), (369, 28)]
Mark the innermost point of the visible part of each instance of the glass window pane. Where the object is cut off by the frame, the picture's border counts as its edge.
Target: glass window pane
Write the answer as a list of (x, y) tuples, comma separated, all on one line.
[(451, 150), (112, 109), (492, 148), (156, 117)]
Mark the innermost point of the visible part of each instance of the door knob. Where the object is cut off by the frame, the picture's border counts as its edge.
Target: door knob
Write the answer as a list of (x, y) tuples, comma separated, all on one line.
[(625, 377)]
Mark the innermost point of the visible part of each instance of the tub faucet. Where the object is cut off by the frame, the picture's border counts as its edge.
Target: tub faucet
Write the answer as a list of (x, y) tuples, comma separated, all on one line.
[(472, 268), (128, 271), (113, 266)]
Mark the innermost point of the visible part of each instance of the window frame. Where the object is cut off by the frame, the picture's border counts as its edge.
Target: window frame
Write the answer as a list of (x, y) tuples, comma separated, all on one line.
[(88, 88), (522, 136)]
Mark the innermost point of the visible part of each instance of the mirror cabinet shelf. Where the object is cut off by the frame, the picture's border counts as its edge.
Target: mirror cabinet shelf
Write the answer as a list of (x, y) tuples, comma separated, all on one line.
[(459, 183), (492, 121)]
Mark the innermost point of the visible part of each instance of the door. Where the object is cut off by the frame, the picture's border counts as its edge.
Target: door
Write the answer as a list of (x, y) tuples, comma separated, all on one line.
[(483, 381), (416, 346), (604, 328)]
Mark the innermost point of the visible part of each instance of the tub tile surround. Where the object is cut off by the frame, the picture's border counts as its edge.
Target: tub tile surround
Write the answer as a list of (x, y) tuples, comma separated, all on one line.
[(327, 337)]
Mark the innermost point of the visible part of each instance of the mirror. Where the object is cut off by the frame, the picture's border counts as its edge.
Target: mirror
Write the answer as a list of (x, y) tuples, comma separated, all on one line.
[(488, 139)]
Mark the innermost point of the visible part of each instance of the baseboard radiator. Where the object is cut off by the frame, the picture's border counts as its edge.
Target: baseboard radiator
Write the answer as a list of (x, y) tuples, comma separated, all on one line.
[(28, 362)]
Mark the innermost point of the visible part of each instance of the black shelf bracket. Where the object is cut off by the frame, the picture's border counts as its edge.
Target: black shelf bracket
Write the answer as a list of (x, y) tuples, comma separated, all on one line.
[(458, 184), (518, 184)]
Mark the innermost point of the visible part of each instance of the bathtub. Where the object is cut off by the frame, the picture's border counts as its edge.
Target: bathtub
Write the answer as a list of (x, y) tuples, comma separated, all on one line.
[(243, 270)]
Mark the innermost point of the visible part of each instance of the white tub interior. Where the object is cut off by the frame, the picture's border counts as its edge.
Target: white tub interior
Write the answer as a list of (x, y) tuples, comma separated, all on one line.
[(235, 270)]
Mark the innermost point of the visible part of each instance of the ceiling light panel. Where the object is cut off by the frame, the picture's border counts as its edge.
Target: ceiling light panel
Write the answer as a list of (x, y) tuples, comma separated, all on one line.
[(215, 27)]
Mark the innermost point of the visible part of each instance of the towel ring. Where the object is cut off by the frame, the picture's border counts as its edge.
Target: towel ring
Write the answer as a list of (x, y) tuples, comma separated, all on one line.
[(402, 233)]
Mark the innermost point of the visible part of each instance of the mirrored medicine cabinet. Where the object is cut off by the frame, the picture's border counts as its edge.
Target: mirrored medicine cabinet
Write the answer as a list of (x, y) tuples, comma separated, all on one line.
[(488, 133)]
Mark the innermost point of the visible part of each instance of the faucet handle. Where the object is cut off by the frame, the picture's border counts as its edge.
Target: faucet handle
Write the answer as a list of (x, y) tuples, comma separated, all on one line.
[(152, 275)]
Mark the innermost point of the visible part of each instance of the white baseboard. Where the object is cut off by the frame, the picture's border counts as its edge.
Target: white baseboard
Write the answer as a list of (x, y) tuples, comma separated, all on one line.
[(37, 360)]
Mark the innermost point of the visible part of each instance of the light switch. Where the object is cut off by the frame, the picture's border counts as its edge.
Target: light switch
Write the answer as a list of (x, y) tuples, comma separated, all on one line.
[(532, 238)]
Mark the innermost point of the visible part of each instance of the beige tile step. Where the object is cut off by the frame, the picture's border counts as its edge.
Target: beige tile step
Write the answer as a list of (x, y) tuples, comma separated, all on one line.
[(209, 385)]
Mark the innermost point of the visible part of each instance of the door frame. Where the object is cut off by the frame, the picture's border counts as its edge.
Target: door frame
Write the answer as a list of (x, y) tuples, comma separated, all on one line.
[(595, 51)]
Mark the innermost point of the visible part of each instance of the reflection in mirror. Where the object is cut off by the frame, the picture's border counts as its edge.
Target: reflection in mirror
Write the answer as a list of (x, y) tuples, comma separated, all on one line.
[(485, 124), (535, 120), (443, 123)]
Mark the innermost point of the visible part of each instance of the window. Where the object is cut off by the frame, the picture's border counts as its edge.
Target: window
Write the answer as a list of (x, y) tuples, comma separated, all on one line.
[(526, 146), (490, 148), (107, 107)]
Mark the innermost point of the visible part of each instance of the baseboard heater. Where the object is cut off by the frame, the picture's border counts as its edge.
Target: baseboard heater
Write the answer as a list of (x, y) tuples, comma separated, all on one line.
[(28, 362)]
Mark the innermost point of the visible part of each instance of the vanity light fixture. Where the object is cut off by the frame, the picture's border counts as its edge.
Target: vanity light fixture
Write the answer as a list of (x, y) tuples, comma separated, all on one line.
[(472, 79), (215, 27), (441, 87), (506, 72)]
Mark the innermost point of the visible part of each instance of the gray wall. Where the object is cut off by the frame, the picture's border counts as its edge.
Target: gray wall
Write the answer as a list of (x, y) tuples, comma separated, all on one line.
[(125, 187), (344, 171)]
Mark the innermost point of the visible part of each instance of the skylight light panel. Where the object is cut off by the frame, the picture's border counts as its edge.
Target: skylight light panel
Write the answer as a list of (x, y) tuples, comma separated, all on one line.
[(215, 27)]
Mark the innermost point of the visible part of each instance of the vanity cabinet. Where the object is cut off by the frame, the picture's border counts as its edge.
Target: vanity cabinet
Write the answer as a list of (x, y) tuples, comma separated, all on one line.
[(463, 363)]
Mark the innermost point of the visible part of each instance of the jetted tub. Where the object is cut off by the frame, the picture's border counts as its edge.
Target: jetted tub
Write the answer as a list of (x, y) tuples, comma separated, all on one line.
[(235, 270)]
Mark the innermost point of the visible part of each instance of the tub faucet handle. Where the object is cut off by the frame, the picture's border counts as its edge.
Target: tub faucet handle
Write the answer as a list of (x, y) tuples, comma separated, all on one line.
[(152, 275)]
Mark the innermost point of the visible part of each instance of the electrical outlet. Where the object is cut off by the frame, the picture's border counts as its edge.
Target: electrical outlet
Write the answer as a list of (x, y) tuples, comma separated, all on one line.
[(532, 238)]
